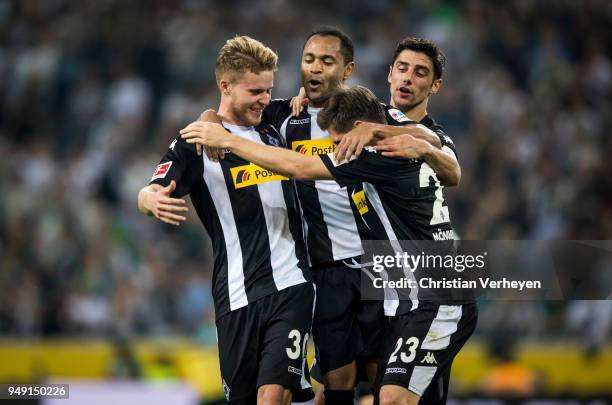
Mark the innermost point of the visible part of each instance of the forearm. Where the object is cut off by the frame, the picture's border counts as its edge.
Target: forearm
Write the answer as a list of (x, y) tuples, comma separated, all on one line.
[(382, 131), (279, 160), (446, 166)]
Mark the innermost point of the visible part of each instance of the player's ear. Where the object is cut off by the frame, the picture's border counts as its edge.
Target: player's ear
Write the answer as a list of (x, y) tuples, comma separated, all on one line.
[(389, 75), (348, 70), (225, 87), (357, 123), (435, 86)]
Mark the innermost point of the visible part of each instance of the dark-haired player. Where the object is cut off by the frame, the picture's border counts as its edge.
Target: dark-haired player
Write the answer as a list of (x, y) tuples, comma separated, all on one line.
[(415, 74)]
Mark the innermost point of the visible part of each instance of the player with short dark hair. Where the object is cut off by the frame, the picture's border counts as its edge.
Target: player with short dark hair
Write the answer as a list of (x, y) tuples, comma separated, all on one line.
[(426, 47), (346, 329), (346, 43), (419, 345), (415, 74), (263, 296)]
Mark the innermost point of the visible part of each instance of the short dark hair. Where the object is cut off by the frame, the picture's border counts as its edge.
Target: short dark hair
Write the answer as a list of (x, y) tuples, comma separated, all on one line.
[(425, 46), (347, 49), (346, 106)]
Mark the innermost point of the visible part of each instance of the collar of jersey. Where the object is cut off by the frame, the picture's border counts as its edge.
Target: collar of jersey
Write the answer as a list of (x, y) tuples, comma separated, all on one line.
[(235, 127)]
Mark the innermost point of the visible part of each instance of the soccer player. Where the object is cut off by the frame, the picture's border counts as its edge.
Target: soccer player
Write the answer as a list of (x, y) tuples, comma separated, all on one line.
[(346, 328), (423, 336), (262, 289), (415, 74)]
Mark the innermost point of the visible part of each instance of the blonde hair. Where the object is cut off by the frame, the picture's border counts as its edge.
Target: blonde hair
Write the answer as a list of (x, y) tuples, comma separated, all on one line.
[(241, 54)]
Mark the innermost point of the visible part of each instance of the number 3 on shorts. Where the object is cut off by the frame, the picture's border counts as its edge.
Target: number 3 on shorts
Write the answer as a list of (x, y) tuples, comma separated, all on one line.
[(412, 344), (294, 351)]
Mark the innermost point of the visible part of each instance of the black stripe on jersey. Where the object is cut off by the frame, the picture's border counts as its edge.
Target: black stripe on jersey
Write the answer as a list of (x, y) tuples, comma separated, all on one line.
[(191, 182), (319, 244), (205, 208), (369, 225), (252, 232)]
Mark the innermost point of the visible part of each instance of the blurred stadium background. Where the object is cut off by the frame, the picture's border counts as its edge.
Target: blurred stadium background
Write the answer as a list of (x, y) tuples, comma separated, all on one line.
[(93, 91)]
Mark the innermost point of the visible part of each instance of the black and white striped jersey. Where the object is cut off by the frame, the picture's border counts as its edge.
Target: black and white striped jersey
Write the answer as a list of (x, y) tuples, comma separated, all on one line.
[(333, 215), (407, 196), (398, 118), (251, 215)]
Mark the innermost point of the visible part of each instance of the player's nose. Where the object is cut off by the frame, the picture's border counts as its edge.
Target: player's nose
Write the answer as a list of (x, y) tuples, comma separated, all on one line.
[(264, 100), (316, 67)]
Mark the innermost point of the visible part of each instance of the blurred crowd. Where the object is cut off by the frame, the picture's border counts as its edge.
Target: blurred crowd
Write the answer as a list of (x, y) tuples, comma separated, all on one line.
[(92, 92)]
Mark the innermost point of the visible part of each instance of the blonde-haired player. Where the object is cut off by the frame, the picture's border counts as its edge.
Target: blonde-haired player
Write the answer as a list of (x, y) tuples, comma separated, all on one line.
[(262, 288)]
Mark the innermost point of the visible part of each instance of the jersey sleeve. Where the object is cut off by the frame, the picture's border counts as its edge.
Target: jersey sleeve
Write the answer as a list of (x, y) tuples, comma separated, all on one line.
[(368, 167), (178, 165), (277, 112), (447, 143), (395, 117)]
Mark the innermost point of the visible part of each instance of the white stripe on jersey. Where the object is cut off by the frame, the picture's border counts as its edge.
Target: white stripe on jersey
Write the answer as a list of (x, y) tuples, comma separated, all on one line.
[(283, 258), (336, 207), (213, 176), (391, 298)]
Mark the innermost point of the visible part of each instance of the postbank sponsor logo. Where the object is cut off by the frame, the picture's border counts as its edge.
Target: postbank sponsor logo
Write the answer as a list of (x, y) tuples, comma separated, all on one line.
[(314, 147), (360, 202), (249, 175)]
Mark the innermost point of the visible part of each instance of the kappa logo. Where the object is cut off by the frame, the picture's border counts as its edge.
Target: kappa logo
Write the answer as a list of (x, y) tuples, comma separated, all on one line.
[(161, 170), (314, 147), (398, 116), (429, 359), (249, 175), (172, 145)]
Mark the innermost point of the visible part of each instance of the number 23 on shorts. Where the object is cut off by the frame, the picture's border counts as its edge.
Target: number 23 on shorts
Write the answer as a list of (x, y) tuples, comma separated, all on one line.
[(407, 353)]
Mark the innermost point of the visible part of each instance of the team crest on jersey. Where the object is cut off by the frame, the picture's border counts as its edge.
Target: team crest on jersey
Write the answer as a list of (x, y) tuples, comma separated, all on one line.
[(314, 147), (398, 116), (360, 202), (249, 175), (272, 140), (161, 170)]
